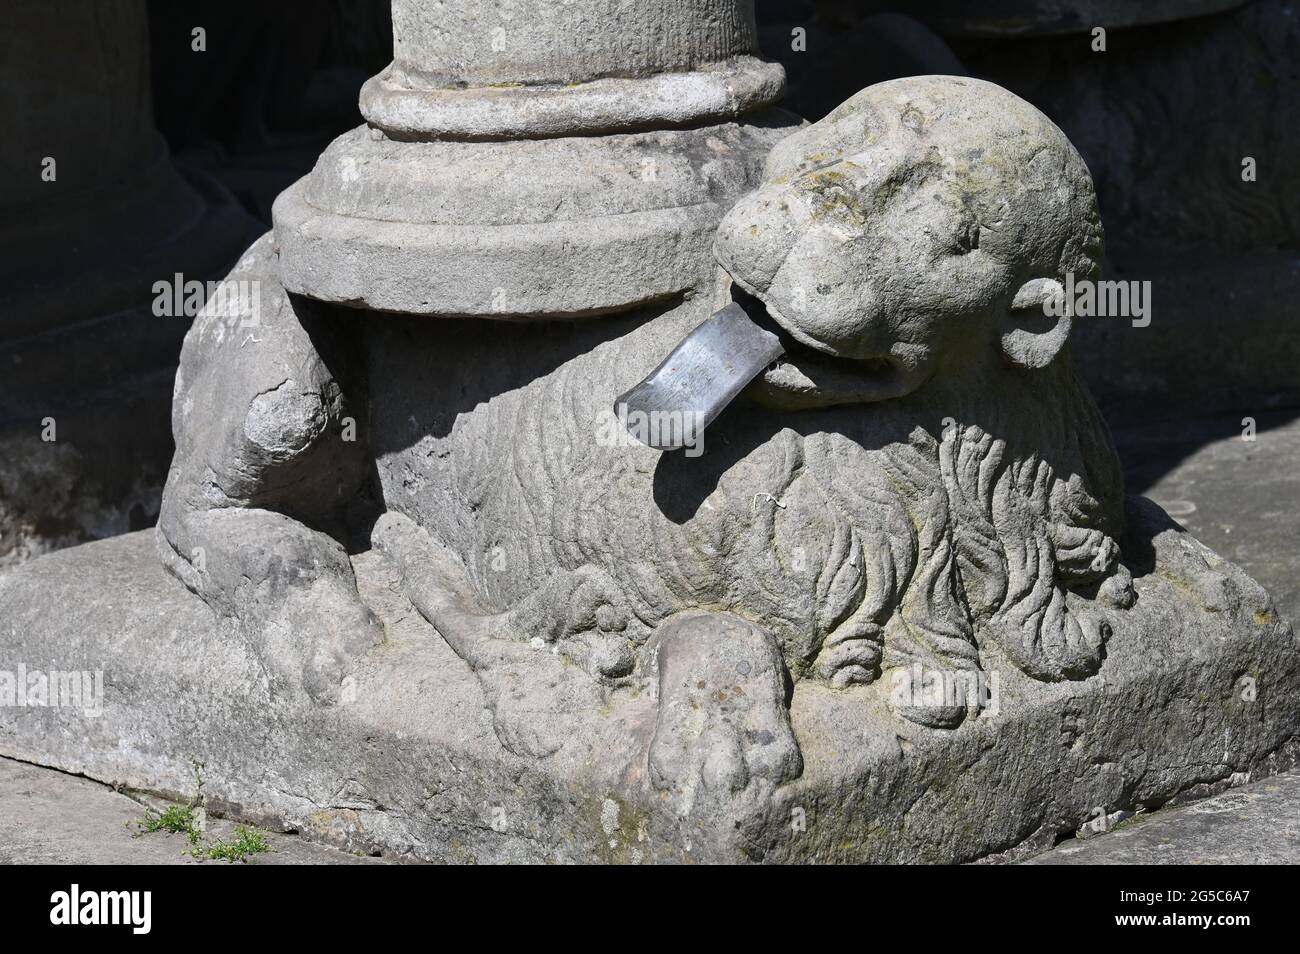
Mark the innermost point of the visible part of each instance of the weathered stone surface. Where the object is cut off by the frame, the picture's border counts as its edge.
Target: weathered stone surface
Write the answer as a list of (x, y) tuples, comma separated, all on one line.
[(831, 241), (451, 45), (1251, 825)]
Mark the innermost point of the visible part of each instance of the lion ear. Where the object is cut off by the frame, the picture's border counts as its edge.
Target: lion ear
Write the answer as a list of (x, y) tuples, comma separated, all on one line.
[(1037, 324)]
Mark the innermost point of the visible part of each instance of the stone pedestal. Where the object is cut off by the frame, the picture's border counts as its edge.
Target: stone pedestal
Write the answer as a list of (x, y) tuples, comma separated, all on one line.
[(538, 158)]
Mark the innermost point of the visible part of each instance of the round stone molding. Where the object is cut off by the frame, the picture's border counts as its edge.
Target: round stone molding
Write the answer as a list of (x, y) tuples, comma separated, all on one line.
[(509, 69), (529, 228), (715, 93)]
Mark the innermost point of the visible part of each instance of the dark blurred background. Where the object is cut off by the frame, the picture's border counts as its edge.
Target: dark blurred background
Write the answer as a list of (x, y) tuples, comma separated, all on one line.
[(166, 160)]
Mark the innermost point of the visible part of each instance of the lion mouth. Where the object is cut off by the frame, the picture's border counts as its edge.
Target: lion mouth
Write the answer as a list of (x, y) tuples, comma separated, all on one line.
[(806, 377), (742, 347)]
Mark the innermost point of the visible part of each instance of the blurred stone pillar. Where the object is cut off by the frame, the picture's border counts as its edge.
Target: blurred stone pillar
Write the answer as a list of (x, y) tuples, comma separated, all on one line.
[(92, 213), (831, 49), (1009, 18), (1166, 118)]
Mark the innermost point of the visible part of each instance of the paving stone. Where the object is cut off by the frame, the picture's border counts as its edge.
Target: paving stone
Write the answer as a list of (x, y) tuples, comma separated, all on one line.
[(1241, 498), (50, 817), (1255, 824)]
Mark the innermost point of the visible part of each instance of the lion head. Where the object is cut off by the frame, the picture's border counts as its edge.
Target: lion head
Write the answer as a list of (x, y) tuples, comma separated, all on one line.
[(894, 240)]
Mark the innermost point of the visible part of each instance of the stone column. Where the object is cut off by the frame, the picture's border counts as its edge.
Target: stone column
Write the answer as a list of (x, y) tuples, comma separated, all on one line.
[(536, 157), (515, 68)]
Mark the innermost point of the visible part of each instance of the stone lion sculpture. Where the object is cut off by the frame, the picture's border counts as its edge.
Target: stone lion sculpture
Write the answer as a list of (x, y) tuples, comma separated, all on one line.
[(920, 481)]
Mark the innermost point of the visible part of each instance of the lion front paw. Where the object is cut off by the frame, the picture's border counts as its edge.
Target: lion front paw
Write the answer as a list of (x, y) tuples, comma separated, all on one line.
[(723, 728), (584, 613), (323, 629)]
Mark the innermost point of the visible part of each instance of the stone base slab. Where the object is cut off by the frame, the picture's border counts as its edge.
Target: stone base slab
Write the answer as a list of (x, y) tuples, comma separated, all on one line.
[(1200, 693)]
